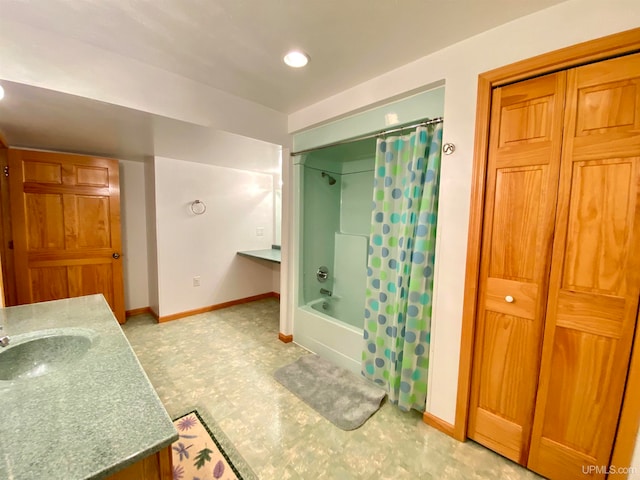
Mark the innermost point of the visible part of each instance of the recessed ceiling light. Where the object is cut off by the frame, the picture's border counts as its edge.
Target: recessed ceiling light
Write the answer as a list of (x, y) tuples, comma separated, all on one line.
[(1, 92), (296, 59)]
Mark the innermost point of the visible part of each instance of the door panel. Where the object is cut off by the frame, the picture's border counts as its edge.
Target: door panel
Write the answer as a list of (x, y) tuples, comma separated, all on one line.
[(515, 187), (91, 176), (581, 365), (595, 280), (596, 250), (505, 348), (88, 279), (603, 108), (91, 222), (42, 172), (522, 178), (48, 283), (66, 214), (526, 293), (526, 122), (44, 215)]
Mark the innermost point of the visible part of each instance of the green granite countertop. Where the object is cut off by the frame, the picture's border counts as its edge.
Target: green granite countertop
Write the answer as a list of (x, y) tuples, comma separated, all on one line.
[(87, 419), (270, 254)]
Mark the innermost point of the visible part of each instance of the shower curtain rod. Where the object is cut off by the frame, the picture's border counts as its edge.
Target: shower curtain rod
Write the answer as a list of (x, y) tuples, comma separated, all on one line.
[(372, 135)]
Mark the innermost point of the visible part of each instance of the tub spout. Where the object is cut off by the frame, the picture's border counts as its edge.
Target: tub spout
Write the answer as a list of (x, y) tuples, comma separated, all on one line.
[(324, 291)]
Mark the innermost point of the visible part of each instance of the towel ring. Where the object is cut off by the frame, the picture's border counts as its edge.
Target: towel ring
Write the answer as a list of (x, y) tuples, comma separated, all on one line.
[(198, 207)]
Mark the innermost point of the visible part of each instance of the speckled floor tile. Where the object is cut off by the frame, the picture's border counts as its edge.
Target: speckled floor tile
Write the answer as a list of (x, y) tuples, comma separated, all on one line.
[(222, 362)]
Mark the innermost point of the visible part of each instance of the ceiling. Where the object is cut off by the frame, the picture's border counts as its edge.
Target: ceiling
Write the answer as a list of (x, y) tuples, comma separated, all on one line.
[(237, 46)]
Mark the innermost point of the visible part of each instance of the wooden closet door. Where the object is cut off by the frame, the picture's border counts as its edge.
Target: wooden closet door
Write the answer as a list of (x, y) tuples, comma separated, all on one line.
[(65, 211), (522, 182), (595, 277)]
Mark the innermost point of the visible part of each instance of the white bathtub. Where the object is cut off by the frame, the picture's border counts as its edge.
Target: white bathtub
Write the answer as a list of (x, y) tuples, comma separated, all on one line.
[(330, 338)]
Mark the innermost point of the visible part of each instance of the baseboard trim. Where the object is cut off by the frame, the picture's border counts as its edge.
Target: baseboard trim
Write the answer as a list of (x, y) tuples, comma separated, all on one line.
[(438, 424), (138, 311), (218, 306), (285, 338)]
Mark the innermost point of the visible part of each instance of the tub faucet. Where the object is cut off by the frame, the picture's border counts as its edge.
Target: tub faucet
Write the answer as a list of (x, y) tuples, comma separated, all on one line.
[(324, 291)]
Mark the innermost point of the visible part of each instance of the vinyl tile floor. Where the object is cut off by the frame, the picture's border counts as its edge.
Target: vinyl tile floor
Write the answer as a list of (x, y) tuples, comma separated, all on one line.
[(223, 361)]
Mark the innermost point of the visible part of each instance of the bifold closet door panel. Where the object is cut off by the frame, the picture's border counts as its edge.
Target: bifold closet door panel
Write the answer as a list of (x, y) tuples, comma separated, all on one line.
[(595, 276), (522, 180)]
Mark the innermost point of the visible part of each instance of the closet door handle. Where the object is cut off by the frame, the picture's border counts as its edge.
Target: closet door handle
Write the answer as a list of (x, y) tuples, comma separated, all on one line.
[(509, 299)]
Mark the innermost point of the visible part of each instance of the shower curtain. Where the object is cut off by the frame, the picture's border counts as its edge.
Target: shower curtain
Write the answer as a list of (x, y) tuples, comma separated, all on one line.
[(400, 265)]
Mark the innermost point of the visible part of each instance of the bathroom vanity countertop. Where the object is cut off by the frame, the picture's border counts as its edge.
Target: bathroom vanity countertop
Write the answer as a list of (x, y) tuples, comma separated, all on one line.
[(271, 254), (85, 420)]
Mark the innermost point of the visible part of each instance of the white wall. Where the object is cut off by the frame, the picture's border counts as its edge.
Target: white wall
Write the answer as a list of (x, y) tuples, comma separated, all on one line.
[(277, 220), (459, 65), (238, 202), (289, 244), (275, 277), (207, 145), (134, 234), (152, 234)]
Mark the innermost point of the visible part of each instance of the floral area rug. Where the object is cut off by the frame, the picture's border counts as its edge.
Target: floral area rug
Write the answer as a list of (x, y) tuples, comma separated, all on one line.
[(201, 454)]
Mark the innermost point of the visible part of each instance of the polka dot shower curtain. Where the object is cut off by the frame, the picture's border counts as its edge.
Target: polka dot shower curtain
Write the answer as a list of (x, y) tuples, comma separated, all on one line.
[(400, 265)]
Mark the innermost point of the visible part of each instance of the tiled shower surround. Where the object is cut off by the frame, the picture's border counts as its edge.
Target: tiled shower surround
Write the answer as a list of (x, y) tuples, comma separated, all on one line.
[(222, 363)]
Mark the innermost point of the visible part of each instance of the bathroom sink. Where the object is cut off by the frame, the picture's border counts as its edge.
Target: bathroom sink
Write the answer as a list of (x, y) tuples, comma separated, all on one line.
[(44, 352)]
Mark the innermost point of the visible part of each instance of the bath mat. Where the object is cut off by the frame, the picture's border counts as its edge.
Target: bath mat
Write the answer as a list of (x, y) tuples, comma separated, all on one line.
[(205, 453), (342, 397)]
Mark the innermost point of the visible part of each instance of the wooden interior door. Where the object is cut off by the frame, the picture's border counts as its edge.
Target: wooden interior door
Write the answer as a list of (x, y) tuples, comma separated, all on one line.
[(522, 181), (65, 211), (595, 278)]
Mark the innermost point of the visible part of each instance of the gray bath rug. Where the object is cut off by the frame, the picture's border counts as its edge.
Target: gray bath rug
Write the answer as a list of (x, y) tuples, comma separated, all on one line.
[(342, 397)]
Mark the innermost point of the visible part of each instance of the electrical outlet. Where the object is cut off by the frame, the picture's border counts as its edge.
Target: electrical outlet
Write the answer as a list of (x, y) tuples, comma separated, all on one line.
[(196, 281), (260, 232)]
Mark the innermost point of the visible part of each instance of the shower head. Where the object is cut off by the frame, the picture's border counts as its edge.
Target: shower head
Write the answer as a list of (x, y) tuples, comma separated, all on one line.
[(332, 180)]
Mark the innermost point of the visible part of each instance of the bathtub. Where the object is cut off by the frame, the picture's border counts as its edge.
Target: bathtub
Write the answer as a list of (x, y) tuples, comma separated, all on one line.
[(330, 338), (326, 306)]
